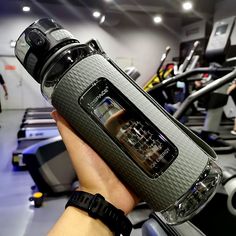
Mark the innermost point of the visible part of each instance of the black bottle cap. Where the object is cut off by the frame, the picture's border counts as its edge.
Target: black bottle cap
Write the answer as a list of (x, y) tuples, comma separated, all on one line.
[(39, 42)]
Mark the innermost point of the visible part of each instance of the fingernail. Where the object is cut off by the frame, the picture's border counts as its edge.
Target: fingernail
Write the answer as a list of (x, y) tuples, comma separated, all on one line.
[(54, 115)]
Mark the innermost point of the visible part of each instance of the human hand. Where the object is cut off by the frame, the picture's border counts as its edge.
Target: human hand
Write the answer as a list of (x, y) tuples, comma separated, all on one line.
[(115, 122), (231, 88), (6, 96), (198, 84), (93, 173)]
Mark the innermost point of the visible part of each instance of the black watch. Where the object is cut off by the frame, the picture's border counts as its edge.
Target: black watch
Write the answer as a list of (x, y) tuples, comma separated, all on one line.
[(98, 208)]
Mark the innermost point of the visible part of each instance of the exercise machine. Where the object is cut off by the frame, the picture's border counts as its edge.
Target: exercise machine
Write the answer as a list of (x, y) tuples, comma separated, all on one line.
[(50, 167), (33, 131), (217, 100)]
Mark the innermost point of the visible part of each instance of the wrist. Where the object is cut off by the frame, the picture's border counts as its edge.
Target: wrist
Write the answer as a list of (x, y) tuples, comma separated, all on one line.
[(75, 222), (82, 218), (97, 207), (114, 197)]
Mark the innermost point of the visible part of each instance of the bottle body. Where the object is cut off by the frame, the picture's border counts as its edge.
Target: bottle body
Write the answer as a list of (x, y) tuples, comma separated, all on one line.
[(85, 102), (163, 162)]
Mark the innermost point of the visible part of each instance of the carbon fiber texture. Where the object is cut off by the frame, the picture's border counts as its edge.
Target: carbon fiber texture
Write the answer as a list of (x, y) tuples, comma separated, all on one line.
[(160, 193)]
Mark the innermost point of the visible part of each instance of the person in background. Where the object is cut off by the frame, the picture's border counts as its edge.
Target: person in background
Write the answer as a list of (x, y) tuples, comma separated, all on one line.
[(232, 92), (2, 82)]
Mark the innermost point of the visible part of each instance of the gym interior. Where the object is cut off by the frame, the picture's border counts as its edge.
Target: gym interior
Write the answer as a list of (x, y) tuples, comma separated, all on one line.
[(149, 85)]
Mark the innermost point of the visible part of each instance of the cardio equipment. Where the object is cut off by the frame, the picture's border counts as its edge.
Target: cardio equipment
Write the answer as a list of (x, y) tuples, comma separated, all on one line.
[(217, 48), (49, 166), (161, 72), (37, 125), (224, 201), (164, 92)]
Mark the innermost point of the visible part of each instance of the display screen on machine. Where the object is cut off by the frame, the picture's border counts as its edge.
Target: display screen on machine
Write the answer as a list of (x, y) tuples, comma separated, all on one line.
[(221, 29), (145, 144)]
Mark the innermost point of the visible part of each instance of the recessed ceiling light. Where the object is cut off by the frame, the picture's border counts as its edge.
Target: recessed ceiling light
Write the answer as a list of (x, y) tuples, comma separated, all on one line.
[(157, 19), (187, 6), (12, 43), (26, 8), (102, 19), (96, 14)]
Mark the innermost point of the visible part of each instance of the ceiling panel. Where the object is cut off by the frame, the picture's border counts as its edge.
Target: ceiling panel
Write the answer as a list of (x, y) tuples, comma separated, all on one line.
[(203, 9)]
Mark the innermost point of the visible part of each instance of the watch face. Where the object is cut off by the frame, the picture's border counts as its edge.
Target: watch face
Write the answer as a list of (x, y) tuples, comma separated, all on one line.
[(134, 133)]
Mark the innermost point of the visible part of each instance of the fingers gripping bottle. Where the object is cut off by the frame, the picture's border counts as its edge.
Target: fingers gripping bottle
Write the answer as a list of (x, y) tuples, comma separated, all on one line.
[(162, 161)]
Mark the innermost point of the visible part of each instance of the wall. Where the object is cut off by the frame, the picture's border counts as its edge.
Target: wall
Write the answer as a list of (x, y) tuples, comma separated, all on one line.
[(140, 44), (23, 91), (140, 47), (224, 9), (194, 31)]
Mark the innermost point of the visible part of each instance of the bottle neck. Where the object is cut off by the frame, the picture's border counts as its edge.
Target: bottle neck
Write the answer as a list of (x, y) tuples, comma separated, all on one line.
[(60, 63)]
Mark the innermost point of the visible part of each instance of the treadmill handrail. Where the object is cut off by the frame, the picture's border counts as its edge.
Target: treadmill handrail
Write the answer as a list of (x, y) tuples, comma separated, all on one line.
[(200, 70), (189, 57), (209, 88), (34, 147), (163, 58)]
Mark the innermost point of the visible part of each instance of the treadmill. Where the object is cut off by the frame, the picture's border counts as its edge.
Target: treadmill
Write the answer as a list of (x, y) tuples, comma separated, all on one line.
[(50, 167), (37, 116), (217, 49), (45, 130), (38, 123), (17, 156), (29, 135), (37, 113), (32, 131), (39, 109)]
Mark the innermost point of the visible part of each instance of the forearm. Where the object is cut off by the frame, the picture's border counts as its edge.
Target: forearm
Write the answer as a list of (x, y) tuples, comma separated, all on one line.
[(75, 222), (5, 89)]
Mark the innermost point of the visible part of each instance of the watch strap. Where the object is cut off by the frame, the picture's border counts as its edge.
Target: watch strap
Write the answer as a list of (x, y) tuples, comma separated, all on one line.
[(97, 207)]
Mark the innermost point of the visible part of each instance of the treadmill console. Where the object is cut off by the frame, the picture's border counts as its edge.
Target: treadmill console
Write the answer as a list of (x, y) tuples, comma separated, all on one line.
[(219, 41)]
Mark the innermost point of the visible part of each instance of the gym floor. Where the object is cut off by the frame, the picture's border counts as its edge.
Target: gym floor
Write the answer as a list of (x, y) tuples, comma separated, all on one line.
[(18, 215)]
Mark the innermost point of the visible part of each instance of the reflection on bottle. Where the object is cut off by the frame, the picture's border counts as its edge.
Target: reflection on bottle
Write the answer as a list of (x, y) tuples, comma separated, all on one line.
[(141, 144), (138, 139)]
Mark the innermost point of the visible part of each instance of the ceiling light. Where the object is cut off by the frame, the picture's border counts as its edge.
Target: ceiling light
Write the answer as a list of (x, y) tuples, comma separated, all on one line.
[(157, 19), (102, 19), (96, 14), (26, 8), (12, 43), (187, 6)]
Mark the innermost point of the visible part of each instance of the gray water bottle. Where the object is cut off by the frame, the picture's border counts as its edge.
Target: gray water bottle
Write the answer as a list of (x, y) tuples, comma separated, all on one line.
[(162, 161)]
